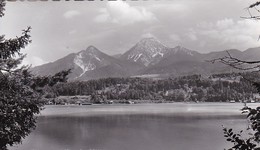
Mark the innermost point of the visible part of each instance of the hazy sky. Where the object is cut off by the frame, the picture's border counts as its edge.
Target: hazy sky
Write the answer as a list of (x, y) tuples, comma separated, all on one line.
[(60, 28)]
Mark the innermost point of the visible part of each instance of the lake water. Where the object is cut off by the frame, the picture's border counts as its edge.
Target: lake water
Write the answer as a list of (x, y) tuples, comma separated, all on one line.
[(135, 127)]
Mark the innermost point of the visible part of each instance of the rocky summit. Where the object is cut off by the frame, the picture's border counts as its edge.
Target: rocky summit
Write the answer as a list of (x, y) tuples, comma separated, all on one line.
[(148, 58)]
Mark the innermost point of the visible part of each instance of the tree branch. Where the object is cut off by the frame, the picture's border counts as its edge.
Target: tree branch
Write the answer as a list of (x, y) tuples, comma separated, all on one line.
[(237, 63), (254, 4), (2, 5), (11, 47)]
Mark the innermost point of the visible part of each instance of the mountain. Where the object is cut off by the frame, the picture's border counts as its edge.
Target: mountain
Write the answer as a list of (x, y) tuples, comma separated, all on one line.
[(117, 56), (251, 54), (233, 52), (149, 57), (59, 65), (178, 60), (147, 52), (88, 64)]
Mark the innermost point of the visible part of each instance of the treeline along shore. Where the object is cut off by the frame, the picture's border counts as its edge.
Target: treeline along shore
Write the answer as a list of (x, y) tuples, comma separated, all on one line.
[(228, 87)]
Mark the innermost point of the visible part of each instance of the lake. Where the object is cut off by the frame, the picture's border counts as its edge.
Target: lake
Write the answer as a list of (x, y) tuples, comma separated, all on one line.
[(177, 126)]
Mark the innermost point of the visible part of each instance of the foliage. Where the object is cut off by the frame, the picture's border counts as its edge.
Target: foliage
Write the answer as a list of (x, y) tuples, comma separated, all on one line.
[(2, 5), (239, 143), (253, 139), (187, 88), (252, 142), (20, 91)]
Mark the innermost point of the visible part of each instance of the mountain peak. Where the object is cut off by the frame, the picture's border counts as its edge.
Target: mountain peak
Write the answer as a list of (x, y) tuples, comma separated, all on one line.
[(146, 57), (88, 59), (147, 51), (149, 41), (180, 49), (92, 48)]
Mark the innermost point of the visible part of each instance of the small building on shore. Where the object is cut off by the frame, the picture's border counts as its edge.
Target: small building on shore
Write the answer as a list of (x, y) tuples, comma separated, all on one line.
[(256, 97)]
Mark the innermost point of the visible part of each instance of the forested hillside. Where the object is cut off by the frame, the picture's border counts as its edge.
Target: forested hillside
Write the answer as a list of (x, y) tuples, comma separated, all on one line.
[(195, 88)]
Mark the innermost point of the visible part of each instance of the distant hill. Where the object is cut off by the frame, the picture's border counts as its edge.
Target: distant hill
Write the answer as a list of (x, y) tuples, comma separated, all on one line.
[(148, 57)]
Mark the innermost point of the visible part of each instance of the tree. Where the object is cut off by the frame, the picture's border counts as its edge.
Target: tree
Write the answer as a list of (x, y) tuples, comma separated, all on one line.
[(252, 140), (20, 91), (237, 63)]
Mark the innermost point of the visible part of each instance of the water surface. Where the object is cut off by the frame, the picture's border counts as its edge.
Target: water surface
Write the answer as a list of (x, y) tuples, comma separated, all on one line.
[(134, 127)]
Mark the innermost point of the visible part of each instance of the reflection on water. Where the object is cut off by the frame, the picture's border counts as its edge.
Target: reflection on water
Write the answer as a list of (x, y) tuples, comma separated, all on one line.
[(130, 132)]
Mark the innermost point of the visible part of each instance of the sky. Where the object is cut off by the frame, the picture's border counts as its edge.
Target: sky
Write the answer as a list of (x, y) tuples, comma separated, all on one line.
[(64, 27)]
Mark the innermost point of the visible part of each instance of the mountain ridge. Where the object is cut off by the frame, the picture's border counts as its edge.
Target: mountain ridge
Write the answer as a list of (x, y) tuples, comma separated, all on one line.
[(148, 56)]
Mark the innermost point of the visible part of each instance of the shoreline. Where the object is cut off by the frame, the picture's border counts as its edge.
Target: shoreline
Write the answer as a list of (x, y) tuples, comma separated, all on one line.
[(171, 109)]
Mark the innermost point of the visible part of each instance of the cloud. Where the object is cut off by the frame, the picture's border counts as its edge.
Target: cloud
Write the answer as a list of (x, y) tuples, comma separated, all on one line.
[(234, 34), (192, 35), (171, 7), (225, 23), (202, 43), (73, 32), (70, 14), (175, 37), (148, 35), (120, 12)]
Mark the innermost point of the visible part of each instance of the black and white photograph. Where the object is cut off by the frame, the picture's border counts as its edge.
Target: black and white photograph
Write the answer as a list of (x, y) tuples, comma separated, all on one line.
[(129, 75)]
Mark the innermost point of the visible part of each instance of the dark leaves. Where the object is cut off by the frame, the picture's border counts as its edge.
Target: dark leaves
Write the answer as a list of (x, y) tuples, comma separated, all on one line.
[(59, 77), (20, 91), (2, 5), (257, 85), (9, 48)]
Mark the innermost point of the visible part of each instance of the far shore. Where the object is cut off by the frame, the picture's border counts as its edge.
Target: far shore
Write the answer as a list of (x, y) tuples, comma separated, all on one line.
[(202, 109)]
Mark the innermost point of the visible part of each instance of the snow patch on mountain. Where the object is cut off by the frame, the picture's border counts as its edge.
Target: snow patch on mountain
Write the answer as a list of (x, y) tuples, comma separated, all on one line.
[(85, 62), (178, 49), (146, 51), (158, 53), (135, 57), (95, 56)]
